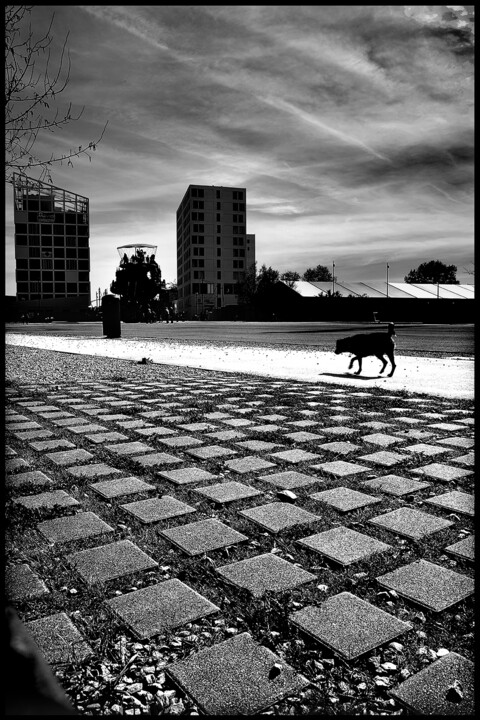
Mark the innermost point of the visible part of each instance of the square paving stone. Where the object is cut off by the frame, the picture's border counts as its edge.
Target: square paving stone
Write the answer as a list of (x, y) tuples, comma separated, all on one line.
[(226, 435), (428, 692), (348, 625), (70, 422), (91, 427), (344, 545), (121, 486), (43, 445), (467, 459), (156, 459), (247, 464), (296, 456), (59, 640), (303, 436), (277, 516), (233, 677), (73, 527), (180, 441), (199, 427), (22, 583), (431, 586), (290, 479), (16, 463), (345, 499), (383, 457), (410, 522), (449, 427), (339, 448), (67, 457), (30, 425), (111, 561), (464, 549), (186, 476), (33, 478), (337, 430), (439, 471), (265, 572), (209, 452), (267, 428), (33, 434), (460, 442), (340, 468), (92, 471), (396, 485), (129, 448), (226, 492), (47, 500), (456, 501), (156, 509), (382, 439), (56, 415), (237, 422), (203, 536), (425, 449), (158, 608), (102, 437)]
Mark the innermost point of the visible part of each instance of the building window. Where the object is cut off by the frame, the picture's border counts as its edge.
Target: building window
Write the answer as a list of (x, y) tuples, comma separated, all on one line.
[(218, 205), (219, 228), (70, 264), (218, 217), (218, 193), (47, 264), (219, 251), (218, 240), (219, 275), (34, 252), (219, 264)]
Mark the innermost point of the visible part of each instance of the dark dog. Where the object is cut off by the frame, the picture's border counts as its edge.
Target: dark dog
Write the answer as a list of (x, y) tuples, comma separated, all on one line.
[(378, 344)]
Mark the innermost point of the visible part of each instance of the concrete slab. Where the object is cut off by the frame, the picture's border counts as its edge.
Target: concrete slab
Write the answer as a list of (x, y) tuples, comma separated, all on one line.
[(32, 478), (156, 459), (43, 445), (290, 479), (429, 585), (341, 468), (59, 640), (226, 492), (348, 625), (432, 690), (22, 583), (464, 549), (382, 439), (264, 573), (258, 445), (14, 464), (247, 464), (180, 441), (440, 471), (296, 456), (157, 509), (129, 448), (383, 457), (107, 562), (455, 501), (203, 536), (211, 452), (158, 608), (278, 516), (345, 499), (119, 487), (410, 522), (458, 441), (104, 437), (235, 677), (344, 545), (226, 435), (33, 434), (67, 457), (47, 500), (73, 527), (339, 447), (92, 471), (396, 485), (187, 476)]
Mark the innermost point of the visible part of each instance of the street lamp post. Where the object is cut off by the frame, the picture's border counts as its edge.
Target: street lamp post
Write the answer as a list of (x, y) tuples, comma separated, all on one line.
[(387, 278), (333, 279)]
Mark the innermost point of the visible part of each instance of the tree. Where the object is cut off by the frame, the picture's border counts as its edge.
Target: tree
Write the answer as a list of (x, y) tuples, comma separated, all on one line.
[(433, 272), (318, 274), (247, 287), (32, 90), (138, 281), (290, 277)]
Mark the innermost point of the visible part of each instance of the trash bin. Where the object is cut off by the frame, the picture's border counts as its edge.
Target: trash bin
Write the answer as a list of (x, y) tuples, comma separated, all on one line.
[(111, 316)]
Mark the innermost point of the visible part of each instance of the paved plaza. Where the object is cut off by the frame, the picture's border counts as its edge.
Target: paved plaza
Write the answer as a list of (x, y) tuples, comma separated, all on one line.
[(345, 513)]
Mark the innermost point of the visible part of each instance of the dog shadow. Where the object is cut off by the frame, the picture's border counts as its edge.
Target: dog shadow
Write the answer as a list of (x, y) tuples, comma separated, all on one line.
[(354, 377)]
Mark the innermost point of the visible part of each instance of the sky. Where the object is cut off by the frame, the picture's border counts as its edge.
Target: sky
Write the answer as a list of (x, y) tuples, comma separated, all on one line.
[(351, 128)]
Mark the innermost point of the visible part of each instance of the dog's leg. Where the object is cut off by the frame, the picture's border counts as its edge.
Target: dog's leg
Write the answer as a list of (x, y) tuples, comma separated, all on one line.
[(381, 357), (351, 363), (392, 360), (359, 366)]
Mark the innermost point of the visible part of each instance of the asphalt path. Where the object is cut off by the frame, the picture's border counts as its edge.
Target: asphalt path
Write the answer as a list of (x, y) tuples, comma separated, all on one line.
[(412, 339)]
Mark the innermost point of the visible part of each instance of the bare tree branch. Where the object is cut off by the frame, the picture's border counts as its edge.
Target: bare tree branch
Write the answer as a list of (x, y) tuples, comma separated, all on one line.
[(32, 90)]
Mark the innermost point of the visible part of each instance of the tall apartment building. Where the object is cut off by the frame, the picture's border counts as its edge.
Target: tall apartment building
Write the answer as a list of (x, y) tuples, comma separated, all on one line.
[(51, 248), (213, 248)]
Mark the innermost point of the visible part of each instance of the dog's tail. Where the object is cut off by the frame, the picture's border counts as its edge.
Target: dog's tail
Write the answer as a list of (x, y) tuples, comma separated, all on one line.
[(391, 330)]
